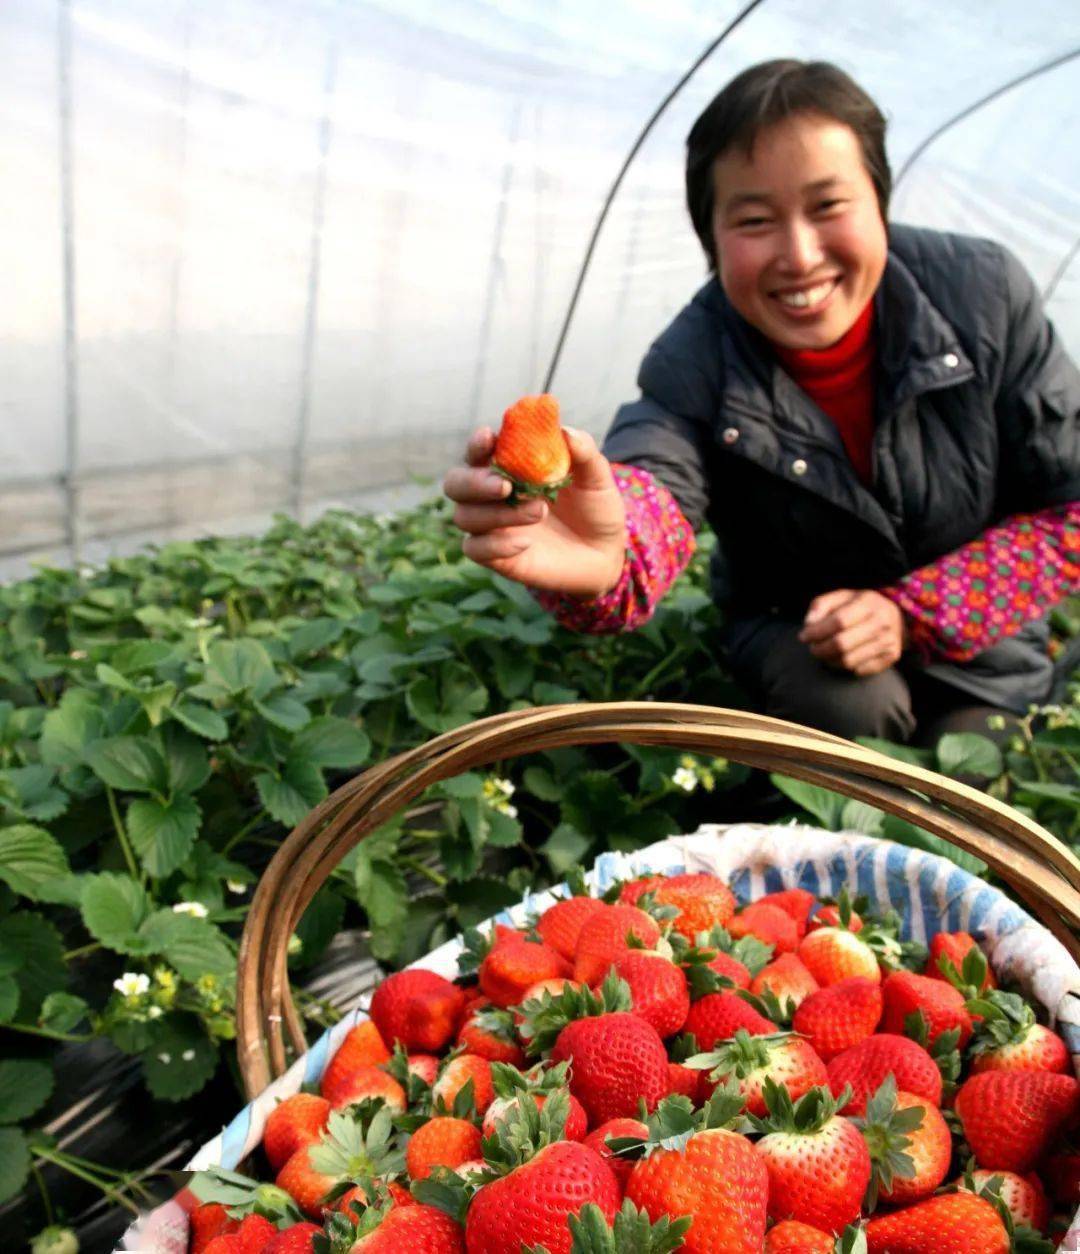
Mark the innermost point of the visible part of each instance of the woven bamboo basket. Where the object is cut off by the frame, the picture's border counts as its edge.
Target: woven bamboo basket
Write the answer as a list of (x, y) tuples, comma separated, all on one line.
[(1042, 873)]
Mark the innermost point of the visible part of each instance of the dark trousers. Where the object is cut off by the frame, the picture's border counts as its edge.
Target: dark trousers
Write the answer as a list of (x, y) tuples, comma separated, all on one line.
[(899, 704)]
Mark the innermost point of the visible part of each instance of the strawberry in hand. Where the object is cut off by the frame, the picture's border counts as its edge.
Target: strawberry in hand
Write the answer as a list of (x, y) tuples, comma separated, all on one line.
[(531, 450)]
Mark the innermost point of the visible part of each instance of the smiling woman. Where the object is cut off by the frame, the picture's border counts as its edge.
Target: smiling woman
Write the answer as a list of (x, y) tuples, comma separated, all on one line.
[(878, 422)]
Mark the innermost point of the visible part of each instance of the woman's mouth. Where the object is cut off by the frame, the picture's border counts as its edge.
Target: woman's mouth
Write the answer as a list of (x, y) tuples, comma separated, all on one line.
[(806, 300)]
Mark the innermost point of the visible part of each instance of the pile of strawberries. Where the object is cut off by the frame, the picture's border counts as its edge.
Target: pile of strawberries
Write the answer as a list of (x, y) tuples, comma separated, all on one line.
[(661, 1070)]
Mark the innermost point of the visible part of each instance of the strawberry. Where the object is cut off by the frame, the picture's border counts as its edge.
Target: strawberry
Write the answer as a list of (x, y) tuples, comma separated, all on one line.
[(791, 1237), (560, 925), (250, 1237), (818, 1162), (748, 1061), (424, 1066), (597, 1140), (658, 990), (366, 1084), (696, 1165), (419, 1229), (1007, 1038), (294, 1240), (462, 1070), (632, 1229), (730, 968), (833, 953), (951, 1223), (441, 1142), (577, 1121), (390, 1191), (943, 1007), (298, 1120), (952, 948), (508, 970), (1024, 1197), (362, 1047), (489, 1033), (208, 1221), (539, 1084), (797, 902), (865, 1066), (531, 449), (910, 1146), (618, 1060), (839, 913), (768, 923), (633, 890), (718, 1016), (682, 1080), (419, 1008), (703, 901), (840, 1015), (603, 937), (1010, 1118), (530, 1205), (788, 980)]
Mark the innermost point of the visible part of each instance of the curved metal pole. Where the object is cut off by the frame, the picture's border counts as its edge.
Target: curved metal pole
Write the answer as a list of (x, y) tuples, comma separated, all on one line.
[(1061, 271), (735, 22)]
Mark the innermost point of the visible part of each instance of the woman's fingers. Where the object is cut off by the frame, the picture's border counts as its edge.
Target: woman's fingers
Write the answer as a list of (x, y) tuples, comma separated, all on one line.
[(480, 447), (495, 545), (469, 486), (479, 519)]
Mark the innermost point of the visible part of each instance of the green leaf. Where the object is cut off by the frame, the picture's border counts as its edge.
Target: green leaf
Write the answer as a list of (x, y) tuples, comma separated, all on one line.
[(291, 796), (239, 665), (902, 753), (9, 998), (320, 922), (479, 898), (315, 636), (38, 798), (14, 1162), (565, 847), (193, 946), (542, 784), (462, 787), (966, 753), (129, 763), (858, 816), (201, 719), (180, 1061), (66, 731), (824, 805), (29, 858), (43, 970), (333, 742), (284, 712), (25, 1086), (450, 698), (114, 907), (514, 672), (187, 766), (504, 831), (62, 1012), (163, 832), (384, 895)]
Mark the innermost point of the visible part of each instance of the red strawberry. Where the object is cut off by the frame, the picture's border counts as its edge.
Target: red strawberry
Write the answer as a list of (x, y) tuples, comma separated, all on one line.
[(953, 947), (839, 913), (787, 979), (508, 970), (398, 1196), (419, 1229), (1023, 1196), (456, 1074), (734, 970), (768, 923), (682, 1080), (345, 1152), (1061, 1172), (618, 1059), (250, 1237), (840, 1015), (1035, 1048), (362, 1047), (718, 1016), (364, 1084), (818, 1161), (294, 1240), (1010, 1118), (426, 1066), (530, 1206), (791, 1237), (833, 953), (866, 1066), (942, 1006), (633, 890), (603, 937), (910, 1146), (560, 925), (796, 902), (488, 1032), (206, 1222), (298, 1120), (703, 901), (441, 1142), (658, 990), (952, 1223), (419, 1008), (748, 1061), (577, 1122), (597, 1141), (531, 448)]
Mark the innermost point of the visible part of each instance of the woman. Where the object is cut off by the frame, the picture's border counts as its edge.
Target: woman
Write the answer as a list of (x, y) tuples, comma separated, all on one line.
[(878, 422)]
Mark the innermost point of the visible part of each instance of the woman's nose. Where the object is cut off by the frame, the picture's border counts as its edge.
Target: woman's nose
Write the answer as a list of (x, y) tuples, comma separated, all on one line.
[(801, 250)]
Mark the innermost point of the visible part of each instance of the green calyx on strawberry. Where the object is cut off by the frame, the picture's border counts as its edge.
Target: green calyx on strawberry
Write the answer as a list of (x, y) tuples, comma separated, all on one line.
[(509, 1082), (525, 1129), (1022, 1239), (531, 449), (1003, 1019), (357, 1149), (885, 1129), (417, 1090), (944, 1050), (342, 1229), (768, 1004), (447, 1191), (682, 1047), (809, 1114), (243, 1196), (631, 1230), (740, 1057), (675, 1121), (971, 976), (851, 1241), (476, 946), (462, 1107), (544, 1017), (706, 948)]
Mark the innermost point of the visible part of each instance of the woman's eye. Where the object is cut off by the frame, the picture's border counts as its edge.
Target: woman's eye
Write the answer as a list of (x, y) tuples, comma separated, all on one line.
[(756, 221), (826, 205)]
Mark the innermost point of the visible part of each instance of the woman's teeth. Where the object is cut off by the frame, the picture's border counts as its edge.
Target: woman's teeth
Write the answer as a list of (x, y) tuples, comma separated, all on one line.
[(808, 297)]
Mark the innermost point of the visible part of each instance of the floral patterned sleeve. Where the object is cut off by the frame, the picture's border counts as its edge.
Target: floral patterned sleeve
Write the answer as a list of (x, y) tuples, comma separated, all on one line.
[(986, 590), (660, 543)]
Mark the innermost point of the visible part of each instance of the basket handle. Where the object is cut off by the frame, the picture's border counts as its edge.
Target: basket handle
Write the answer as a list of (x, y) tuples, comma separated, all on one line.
[(1041, 871)]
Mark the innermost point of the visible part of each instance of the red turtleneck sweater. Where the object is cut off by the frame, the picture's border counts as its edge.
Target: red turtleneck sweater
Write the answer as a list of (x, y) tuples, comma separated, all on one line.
[(840, 380)]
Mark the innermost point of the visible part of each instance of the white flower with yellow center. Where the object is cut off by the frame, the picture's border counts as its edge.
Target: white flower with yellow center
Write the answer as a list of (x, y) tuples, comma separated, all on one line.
[(195, 908), (132, 984)]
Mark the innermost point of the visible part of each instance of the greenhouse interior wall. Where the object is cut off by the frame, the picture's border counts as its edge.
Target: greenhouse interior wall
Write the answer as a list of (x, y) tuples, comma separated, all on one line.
[(283, 255)]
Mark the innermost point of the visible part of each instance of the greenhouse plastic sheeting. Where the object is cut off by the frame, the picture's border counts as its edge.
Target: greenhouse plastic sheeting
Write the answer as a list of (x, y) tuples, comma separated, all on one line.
[(274, 254)]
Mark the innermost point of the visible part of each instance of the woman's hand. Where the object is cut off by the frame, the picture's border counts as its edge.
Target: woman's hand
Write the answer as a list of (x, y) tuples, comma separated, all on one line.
[(859, 631), (576, 546)]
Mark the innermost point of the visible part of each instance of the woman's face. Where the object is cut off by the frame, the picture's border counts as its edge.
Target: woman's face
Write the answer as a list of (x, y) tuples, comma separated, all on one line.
[(800, 244)]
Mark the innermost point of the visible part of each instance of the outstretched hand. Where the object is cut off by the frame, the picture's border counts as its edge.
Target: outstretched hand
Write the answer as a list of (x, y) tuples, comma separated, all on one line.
[(858, 631)]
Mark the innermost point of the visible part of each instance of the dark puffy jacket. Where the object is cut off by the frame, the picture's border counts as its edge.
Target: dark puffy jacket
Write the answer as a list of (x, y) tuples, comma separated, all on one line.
[(977, 418)]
